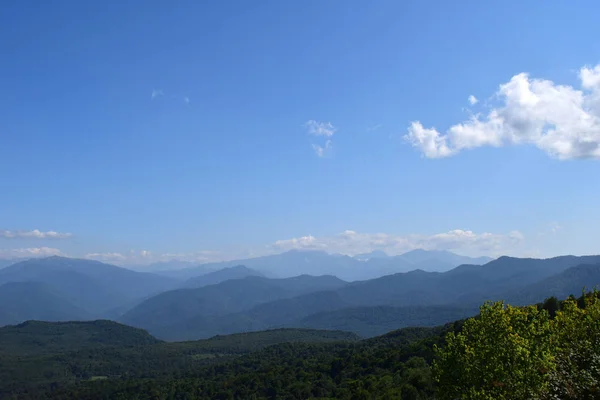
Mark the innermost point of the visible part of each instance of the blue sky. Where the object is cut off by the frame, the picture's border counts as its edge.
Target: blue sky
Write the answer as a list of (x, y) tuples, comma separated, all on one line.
[(209, 131)]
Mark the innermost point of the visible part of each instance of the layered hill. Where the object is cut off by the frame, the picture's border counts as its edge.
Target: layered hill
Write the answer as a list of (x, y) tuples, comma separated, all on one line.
[(93, 286), (368, 308), (21, 301)]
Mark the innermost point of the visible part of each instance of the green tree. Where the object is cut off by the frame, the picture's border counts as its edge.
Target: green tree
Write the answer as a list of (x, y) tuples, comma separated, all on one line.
[(577, 345), (503, 354)]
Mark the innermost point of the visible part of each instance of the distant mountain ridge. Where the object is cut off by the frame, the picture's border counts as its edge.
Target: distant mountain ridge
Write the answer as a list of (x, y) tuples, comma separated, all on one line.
[(222, 275), (21, 301), (93, 286), (361, 267), (368, 307)]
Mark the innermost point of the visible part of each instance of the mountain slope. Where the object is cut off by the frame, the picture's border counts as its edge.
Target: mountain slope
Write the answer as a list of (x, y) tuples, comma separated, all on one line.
[(420, 256), (259, 303), (569, 282), (199, 312), (92, 285), (37, 337), (374, 321), (225, 274), (21, 301)]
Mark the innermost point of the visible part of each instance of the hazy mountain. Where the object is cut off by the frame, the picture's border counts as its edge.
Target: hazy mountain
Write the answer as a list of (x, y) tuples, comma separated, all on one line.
[(569, 282), (166, 267), (212, 278), (401, 299), (91, 285), (372, 254), (361, 267), (377, 320), (21, 301), (420, 256), (178, 309), (5, 263)]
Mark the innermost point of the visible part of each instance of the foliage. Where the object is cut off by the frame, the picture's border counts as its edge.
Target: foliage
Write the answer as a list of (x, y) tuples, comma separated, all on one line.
[(549, 351), (502, 354), (524, 353), (577, 342)]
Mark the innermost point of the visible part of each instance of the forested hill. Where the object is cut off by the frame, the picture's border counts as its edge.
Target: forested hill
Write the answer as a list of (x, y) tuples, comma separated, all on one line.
[(37, 337), (40, 354), (482, 357)]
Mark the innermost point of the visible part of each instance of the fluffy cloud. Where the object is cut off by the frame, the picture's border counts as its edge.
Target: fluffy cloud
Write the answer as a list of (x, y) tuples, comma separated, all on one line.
[(559, 119), (32, 252), (351, 242), (473, 100), (34, 234)]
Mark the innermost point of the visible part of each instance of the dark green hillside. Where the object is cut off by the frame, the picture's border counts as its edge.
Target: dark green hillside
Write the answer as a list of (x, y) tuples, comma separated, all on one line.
[(394, 367), (37, 353), (36, 337)]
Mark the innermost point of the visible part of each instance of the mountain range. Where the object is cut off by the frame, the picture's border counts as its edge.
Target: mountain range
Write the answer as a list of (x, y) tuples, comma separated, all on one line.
[(360, 267), (239, 298), (368, 307), (94, 287)]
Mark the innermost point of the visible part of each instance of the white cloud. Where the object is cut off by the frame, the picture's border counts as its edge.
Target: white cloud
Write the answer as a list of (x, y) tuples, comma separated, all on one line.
[(34, 234), (32, 252), (590, 77), (316, 128), (106, 257), (142, 257), (325, 129), (473, 100), (322, 150), (558, 119), (351, 242), (156, 93)]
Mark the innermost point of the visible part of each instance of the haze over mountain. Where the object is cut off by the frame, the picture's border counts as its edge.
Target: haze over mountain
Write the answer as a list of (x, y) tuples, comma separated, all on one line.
[(237, 299), (6, 262), (212, 278), (167, 311), (371, 307), (361, 267), (91, 285), (22, 301)]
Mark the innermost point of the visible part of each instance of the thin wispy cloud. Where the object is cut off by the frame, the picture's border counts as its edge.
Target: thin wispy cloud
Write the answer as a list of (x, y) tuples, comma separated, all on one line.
[(473, 100), (351, 243), (321, 130), (316, 128), (34, 234), (156, 93), (143, 257), (31, 252), (321, 150), (374, 128), (560, 120)]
